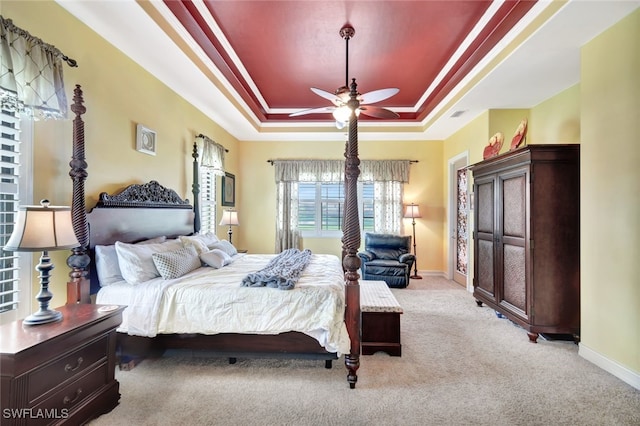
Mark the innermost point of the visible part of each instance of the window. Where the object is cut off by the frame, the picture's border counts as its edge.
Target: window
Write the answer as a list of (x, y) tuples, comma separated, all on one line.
[(16, 172), (321, 208), (207, 200)]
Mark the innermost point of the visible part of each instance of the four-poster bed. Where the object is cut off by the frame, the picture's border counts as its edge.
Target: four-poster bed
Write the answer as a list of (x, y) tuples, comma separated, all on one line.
[(148, 211)]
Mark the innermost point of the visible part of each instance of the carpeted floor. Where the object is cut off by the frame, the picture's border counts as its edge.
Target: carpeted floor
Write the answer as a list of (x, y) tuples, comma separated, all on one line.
[(461, 365)]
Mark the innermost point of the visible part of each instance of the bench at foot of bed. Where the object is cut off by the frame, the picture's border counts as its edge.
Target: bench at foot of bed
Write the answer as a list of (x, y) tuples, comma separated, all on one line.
[(380, 319)]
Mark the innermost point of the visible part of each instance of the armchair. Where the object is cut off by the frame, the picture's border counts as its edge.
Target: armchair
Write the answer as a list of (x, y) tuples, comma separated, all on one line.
[(388, 258)]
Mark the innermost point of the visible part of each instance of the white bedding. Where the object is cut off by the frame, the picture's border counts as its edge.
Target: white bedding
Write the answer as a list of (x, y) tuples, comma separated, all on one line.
[(211, 301)]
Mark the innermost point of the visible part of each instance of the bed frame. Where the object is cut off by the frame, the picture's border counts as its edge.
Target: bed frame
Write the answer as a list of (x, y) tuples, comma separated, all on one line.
[(143, 211)]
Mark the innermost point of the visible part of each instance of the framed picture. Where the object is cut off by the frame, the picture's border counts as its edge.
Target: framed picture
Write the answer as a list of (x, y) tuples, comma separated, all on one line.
[(228, 190), (145, 140)]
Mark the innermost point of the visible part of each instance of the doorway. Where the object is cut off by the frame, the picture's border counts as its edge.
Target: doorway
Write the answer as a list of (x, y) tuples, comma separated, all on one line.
[(458, 223)]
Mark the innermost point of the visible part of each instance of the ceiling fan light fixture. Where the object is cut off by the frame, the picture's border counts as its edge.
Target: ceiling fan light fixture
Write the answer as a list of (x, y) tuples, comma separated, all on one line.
[(343, 113)]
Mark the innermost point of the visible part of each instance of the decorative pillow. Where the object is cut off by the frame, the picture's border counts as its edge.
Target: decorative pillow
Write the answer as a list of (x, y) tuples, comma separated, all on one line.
[(225, 246), (136, 263), (215, 258), (199, 241), (107, 266), (174, 264)]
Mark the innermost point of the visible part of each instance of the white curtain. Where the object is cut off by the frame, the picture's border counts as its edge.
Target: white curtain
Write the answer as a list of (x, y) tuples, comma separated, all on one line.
[(287, 232), (388, 176), (212, 156), (31, 77)]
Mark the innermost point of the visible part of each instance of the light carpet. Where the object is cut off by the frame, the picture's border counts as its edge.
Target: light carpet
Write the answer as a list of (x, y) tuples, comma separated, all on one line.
[(460, 365)]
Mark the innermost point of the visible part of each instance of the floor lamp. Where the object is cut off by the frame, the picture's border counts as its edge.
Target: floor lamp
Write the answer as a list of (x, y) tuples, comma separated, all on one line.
[(412, 212)]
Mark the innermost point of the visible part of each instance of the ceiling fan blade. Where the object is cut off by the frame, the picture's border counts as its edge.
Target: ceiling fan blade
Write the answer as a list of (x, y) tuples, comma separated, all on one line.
[(312, 111), (378, 95), (378, 112), (327, 95)]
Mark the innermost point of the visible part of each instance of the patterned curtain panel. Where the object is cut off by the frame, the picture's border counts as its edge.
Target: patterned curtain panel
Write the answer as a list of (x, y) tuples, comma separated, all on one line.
[(287, 232), (212, 155), (31, 78)]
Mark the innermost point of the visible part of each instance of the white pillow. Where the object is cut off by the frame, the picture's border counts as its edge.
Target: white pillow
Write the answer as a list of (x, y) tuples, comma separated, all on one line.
[(136, 263), (215, 258), (225, 246), (199, 241), (106, 259), (174, 264)]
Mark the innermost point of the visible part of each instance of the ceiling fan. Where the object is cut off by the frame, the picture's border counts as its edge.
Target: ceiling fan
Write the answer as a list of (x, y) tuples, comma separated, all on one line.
[(340, 98)]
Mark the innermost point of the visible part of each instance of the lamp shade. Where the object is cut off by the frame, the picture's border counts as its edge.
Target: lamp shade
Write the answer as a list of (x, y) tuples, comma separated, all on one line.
[(412, 211), (40, 228), (229, 217)]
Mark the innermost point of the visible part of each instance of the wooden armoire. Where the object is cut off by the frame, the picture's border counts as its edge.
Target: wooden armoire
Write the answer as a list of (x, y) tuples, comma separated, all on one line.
[(527, 237)]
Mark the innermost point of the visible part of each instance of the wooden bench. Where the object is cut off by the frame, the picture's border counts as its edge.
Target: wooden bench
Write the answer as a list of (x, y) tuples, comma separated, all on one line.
[(380, 319)]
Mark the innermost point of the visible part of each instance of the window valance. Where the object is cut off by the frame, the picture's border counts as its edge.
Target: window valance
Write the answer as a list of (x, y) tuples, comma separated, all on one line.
[(212, 154), (333, 170), (31, 77)]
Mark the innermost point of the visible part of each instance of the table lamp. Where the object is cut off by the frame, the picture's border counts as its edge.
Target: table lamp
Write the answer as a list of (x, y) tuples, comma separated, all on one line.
[(229, 217), (43, 228)]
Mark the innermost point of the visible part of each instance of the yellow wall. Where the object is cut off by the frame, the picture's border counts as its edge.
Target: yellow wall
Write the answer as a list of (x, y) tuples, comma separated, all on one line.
[(610, 184), (557, 120), (257, 190), (118, 95)]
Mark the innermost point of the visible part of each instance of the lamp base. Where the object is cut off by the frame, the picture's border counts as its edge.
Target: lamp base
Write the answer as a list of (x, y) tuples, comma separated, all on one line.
[(415, 277), (43, 317)]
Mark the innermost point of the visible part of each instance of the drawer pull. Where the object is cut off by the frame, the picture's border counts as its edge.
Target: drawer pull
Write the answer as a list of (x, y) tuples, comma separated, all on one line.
[(68, 367), (68, 400)]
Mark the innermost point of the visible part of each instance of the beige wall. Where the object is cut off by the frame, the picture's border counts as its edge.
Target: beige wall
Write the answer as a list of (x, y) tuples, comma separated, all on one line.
[(119, 94), (257, 191), (610, 184)]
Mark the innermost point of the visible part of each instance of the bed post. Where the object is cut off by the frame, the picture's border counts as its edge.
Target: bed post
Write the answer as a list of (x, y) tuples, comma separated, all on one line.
[(195, 189), (351, 243), (78, 261)]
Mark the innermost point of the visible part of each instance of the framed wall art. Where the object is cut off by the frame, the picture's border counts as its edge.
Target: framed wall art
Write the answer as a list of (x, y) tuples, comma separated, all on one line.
[(145, 140), (228, 190)]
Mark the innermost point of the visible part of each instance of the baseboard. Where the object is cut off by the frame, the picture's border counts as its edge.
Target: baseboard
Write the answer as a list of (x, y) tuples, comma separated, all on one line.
[(610, 366), (440, 274)]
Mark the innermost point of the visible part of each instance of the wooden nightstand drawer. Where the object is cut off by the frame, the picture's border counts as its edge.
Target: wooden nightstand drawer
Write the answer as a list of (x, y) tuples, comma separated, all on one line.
[(67, 367), (63, 402)]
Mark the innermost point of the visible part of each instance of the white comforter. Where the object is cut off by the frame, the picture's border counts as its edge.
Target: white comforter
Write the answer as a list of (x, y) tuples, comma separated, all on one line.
[(211, 301)]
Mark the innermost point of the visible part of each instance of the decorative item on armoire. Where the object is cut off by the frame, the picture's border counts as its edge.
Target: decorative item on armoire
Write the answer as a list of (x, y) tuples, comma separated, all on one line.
[(494, 146), (520, 137)]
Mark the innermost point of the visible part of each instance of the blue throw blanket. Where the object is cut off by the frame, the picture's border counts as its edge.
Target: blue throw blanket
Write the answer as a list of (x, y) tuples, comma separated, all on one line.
[(283, 271)]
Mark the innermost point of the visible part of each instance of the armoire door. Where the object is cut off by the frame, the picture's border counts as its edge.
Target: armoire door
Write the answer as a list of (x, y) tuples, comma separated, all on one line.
[(512, 240), (484, 189)]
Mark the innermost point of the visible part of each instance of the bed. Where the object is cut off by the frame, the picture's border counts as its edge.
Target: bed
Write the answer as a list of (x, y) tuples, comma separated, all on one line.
[(143, 212)]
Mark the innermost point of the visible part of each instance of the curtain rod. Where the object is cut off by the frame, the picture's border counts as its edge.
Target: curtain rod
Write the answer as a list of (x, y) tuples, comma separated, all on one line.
[(410, 161), (204, 136), (9, 25)]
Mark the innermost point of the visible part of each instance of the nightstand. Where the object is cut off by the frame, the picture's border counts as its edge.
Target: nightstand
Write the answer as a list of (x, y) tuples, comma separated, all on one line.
[(60, 372)]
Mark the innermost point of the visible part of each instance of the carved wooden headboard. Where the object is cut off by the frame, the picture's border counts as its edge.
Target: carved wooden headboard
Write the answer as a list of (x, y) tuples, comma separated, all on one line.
[(138, 212)]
